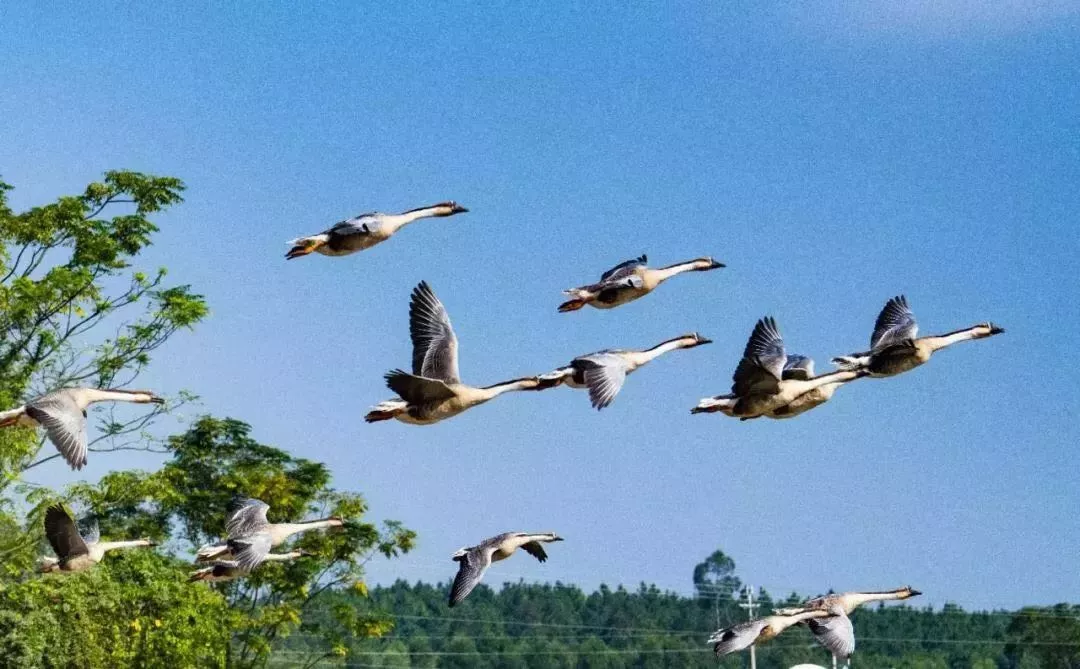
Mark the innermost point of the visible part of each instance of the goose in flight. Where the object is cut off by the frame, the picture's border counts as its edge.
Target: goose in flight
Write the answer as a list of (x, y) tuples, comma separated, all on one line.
[(245, 516), (434, 391), (835, 632), (628, 281), (894, 348), (229, 570), (75, 550), (63, 415), (473, 561), (758, 631), (366, 230), (604, 372), (759, 384)]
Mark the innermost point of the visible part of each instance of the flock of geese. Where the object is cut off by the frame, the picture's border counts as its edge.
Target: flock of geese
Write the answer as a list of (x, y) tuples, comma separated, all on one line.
[(767, 382)]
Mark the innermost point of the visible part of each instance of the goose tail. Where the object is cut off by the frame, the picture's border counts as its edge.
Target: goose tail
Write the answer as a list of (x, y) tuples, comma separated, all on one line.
[(303, 246), (386, 410)]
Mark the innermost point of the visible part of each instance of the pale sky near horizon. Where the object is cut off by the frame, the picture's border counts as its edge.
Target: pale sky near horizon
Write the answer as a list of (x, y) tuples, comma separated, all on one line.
[(831, 154)]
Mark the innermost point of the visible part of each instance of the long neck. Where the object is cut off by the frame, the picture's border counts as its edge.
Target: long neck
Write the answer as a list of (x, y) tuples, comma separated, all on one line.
[(117, 545), (839, 376), (948, 339), (855, 599), (289, 529), (665, 273), (526, 383), (107, 395), (642, 357), (397, 221), (283, 557)]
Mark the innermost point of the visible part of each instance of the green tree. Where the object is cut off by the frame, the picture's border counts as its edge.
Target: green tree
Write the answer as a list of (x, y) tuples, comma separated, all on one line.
[(715, 581), (1051, 636)]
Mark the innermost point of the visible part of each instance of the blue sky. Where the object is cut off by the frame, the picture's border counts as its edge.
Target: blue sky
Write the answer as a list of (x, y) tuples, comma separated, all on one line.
[(832, 154)]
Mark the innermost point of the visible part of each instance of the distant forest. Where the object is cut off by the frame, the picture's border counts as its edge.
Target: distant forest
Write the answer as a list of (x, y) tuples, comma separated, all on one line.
[(561, 627)]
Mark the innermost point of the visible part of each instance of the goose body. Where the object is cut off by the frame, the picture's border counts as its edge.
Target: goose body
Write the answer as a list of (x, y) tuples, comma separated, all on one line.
[(62, 413), (835, 632), (364, 231), (75, 550), (230, 570), (247, 516), (433, 391), (849, 601), (765, 385), (629, 281), (604, 372), (473, 561), (894, 347), (742, 636)]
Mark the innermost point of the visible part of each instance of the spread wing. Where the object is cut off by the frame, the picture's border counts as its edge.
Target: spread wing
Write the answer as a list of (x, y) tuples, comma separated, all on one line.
[(604, 375), (89, 530), (894, 324), (736, 638), (835, 633), (535, 549), (358, 225), (762, 364), (64, 424), (625, 268), (250, 551), (245, 516), (62, 533), (471, 568), (417, 389), (799, 367), (435, 346)]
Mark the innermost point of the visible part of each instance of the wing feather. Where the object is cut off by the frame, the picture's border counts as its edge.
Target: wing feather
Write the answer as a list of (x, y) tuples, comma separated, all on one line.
[(62, 533), (471, 568), (836, 633), (624, 268), (64, 424), (245, 515), (895, 324), (435, 346)]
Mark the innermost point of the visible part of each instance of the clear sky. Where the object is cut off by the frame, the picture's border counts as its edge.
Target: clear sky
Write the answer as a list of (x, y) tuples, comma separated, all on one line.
[(832, 154)]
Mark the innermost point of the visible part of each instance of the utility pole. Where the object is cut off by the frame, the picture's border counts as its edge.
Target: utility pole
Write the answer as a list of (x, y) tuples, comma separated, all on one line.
[(750, 606)]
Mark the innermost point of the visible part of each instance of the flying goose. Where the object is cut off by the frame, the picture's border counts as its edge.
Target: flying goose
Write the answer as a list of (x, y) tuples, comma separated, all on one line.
[(757, 631), (473, 561), (434, 391), (604, 372), (63, 415), (366, 230), (760, 386), (835, 632), (77, 551), (230, 570), (628, 281), (894, 348), (246, 516)]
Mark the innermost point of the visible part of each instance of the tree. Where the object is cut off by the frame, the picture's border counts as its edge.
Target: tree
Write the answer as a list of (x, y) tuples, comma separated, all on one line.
[(1049, 635), (715, 581), (184, 504)]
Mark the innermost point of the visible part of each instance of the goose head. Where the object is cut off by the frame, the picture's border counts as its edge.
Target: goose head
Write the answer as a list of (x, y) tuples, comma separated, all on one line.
[(449, 208), (693, 339), (707, 263), (907, 592), (989, 330)]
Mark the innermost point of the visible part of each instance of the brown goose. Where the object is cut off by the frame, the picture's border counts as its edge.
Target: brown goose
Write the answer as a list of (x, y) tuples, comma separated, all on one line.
[(366, 230), (628, 281)]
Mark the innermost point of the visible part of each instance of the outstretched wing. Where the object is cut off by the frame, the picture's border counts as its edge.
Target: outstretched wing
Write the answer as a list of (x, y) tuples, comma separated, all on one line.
[(736, 638), (250, 551), (64, 424), (895, 324), (535, 549), (435, 346), (471, 568), (89, 529), (623, 269), (762, 364), (799, 367), (244, 516), (835, 633), (604, 375), (62, 533)]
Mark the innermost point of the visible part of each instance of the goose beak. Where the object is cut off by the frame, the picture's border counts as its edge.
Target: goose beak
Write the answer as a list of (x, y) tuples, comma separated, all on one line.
[(916, 593), (457, 209), (154, 399), (703, 340), (716, 265), (995, 329), (557, 538)]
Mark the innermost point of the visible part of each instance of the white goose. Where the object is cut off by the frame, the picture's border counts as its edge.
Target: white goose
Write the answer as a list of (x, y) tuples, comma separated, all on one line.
[(604, 372), (77, 551), (760, 387), (836, 632), (63, 415), (434, 391), (742, 636), (366, 230), (894, 348), (473, 561), (629, 281), (246, 516)]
